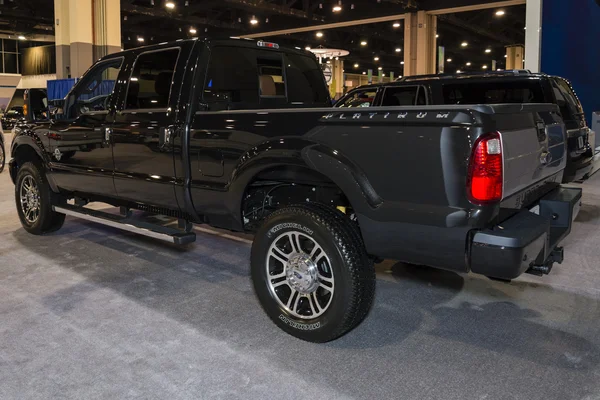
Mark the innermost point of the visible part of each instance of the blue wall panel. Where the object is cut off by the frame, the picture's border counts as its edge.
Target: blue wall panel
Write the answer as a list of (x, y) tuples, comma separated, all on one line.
[(571, 47)]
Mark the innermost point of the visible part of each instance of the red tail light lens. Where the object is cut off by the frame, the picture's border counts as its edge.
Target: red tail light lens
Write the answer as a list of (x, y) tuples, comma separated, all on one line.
[(485, 180)]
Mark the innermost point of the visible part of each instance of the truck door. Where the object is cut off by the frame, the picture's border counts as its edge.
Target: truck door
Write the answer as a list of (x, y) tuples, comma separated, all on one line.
[(80, 150), (145, 126)]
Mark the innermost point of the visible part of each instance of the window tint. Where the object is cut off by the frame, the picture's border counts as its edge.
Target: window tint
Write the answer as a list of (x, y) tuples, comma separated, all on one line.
[(566, 99), (232, 78), (270, 76), (421, 97), (305, 81), (400, 96), (526, 91), (151, 79), (360, 98), (94, 90)]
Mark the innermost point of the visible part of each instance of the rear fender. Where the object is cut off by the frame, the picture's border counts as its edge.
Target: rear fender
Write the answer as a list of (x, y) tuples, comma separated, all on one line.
[(303, 153)]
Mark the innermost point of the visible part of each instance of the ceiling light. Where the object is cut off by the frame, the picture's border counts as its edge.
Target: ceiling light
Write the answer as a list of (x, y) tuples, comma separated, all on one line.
[(468, 64), (505, 56), (398, 50), (383, 74), (307, 48), (355, 65), (254, 21), (400, 77), (21, 37), (337, 58), (484, 67), (500, 13), (458, 71), (396, 25), (437, 36), (402, 62), (488, 50), (449, 60), (464, 44), (328, 62), (298, 48), (376, 59), (337, 8), (364, 73), (170, 5), (380, 68), (363, 43), (140, 39), (319, 34), (193, 31)]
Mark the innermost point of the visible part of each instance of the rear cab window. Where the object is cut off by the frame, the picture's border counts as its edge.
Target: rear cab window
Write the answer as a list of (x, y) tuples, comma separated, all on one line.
[(246, 78), (494, 92)]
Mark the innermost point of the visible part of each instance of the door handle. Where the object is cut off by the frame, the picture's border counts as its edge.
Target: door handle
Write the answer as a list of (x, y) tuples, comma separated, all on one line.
[(107, 135), (165, 136)]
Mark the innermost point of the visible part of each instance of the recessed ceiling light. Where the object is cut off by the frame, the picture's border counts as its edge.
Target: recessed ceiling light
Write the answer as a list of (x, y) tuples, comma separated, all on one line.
[(500, 13), (437, 36), (170, 5), (485, 67), (398, 50), (307, 48), (449, 60), (337, 8), (468, 64), (488, 50), (396, 25), (193, 31), (402, 62), (140, 39), (505, 56), (21, 37), (363, 43), (380, 68), (458, 71), (364, 73), (355, 65), (254, 21), (319, 34), (464, 44), (376, 59)]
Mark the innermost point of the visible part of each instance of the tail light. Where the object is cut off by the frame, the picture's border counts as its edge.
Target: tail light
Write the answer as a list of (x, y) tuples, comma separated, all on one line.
[(485, 180)]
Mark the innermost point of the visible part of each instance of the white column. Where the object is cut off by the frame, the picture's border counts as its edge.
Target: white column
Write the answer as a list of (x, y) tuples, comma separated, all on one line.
[(533, 35)]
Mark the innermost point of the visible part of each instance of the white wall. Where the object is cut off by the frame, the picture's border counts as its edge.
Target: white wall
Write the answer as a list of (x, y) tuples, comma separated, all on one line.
[(35, 81)]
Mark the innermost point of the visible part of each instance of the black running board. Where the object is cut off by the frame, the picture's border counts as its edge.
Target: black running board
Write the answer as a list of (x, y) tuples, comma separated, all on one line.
[(167, 234)]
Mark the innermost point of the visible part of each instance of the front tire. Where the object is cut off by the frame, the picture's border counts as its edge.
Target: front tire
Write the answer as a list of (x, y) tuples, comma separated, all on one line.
[(311, 272), (34, 199)]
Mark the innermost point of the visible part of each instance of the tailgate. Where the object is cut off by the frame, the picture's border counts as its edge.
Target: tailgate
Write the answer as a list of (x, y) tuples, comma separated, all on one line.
[(534, 146)]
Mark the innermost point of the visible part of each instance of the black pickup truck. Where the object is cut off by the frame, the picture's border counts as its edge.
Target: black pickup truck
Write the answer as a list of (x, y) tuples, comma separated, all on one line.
[(241, 135), (493, 87)]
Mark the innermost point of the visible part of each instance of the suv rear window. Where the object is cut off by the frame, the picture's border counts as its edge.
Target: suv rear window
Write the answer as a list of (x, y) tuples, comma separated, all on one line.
[(526, 91)]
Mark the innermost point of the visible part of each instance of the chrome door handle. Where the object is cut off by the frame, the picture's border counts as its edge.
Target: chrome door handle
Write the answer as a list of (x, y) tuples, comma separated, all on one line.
[(107, 134), (165, 136)]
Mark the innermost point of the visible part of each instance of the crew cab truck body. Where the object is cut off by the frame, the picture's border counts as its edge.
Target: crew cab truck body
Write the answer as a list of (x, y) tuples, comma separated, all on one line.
[(494, 87), (237, 134)]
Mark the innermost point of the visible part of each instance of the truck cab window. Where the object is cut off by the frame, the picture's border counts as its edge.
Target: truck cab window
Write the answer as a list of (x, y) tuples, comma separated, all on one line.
[(400, 96), (232, 79), (360, 98), (271, 77), (305, 81), (151, 80), (94, 91)]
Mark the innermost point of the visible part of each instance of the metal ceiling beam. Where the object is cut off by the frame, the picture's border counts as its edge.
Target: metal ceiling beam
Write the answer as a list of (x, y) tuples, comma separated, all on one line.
[(159, 13), (326, 26), (475, 7), (261, 5)]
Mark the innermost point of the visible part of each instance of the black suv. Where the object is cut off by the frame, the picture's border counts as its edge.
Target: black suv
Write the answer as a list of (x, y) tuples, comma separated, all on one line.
[(517, 86)]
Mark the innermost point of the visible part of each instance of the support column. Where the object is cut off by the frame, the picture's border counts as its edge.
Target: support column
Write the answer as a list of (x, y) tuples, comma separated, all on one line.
[(420, 43), (514, 57), (85, 31), (337, 85), (533, 35)]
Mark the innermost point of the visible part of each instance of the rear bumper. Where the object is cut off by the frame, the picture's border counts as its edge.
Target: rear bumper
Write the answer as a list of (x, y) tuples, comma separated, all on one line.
[(526, 241), (580, 169)]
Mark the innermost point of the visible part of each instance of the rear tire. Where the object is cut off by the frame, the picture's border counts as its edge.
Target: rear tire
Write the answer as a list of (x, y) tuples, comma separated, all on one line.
[(34, 200), (2, 155), (311, 272)]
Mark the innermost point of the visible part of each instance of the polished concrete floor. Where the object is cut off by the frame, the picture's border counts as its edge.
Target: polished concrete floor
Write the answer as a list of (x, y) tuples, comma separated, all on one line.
[(94, 313)]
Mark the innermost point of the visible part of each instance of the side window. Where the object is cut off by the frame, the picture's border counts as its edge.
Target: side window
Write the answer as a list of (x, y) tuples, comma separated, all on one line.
[(305, 81), (94, 91), (422, 96), (569, 96), (151, 79), (360, 98), (400, 96), (232, 79)]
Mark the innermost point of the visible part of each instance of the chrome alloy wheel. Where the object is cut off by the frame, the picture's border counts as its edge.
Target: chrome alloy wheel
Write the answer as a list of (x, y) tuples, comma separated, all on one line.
[(300, 275), (29, 194)]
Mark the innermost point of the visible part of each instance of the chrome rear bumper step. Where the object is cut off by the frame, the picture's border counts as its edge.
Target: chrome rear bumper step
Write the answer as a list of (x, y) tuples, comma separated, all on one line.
[(164, 233)]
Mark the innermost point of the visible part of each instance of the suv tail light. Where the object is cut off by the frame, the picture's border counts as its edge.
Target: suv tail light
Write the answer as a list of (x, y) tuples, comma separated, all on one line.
[(485, 180)]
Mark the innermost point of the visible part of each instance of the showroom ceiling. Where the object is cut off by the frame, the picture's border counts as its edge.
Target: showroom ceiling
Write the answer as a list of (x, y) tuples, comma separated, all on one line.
[(484, 32)]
